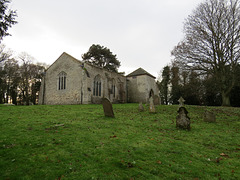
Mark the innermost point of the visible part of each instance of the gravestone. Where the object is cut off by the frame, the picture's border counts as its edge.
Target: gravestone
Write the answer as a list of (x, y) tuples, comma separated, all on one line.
[(182, 120), (140, 107), (156, 100), (181, 101), (107, 107), (151, 105), (209, 116)]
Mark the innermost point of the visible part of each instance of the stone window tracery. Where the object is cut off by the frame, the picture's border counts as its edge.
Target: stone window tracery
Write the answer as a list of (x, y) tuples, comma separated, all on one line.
[(114, 88), (97, 86), (62, 80)]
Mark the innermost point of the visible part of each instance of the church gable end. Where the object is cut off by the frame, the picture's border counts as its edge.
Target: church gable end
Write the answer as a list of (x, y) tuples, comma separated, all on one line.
[(61, 81)]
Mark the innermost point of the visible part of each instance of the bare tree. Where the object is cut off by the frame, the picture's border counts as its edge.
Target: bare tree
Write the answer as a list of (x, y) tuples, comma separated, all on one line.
[(31, 75), (12, 77), (212, 43), (24, 85), (36, 73), (4, 54)]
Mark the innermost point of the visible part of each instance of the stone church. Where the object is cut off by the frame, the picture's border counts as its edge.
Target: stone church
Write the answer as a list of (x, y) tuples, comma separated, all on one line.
[(70, 81)]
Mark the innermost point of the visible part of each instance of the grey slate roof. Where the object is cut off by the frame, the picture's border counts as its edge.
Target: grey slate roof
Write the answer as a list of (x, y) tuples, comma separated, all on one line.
[(140, 72)]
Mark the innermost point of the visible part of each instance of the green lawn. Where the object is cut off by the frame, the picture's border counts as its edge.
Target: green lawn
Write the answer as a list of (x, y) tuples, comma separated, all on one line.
[(78, 142)]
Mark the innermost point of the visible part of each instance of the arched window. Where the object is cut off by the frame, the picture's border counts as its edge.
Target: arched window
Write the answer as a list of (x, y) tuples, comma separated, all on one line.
[(62, 80), (113, 88), (97, 86), (151, 93)]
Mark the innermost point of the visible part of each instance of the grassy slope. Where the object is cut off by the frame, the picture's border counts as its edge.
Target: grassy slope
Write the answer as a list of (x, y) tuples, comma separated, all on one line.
[(78, 142)]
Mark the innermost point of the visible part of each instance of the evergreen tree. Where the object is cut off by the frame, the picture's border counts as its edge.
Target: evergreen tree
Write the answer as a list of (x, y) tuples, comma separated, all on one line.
[(7, 18), (175, 85), (102, 57), (164, 85)]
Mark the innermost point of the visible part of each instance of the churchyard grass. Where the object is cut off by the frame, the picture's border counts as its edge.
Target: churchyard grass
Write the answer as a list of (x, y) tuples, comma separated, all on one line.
[(79, 142)]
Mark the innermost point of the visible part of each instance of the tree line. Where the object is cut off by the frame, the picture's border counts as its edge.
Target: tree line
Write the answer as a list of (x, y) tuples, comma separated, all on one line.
[(205, 69), (194, 88), (20, 78), (206, 65)]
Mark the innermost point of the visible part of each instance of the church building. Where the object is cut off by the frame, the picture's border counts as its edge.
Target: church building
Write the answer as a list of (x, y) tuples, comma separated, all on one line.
[(70, 81)]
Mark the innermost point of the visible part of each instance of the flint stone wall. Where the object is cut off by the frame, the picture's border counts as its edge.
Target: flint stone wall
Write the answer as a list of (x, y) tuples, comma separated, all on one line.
[(139, 88), (79, 83), (80, 79)]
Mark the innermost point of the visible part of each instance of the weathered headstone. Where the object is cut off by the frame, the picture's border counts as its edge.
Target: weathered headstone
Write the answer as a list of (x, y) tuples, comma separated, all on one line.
[(107, 107), (182, 120), (140, 107), (151, 106), (181, 101), (209, 117), (156, 100)]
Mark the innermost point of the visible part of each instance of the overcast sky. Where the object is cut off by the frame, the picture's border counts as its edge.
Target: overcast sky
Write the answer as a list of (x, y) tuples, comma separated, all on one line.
[(141, 33)]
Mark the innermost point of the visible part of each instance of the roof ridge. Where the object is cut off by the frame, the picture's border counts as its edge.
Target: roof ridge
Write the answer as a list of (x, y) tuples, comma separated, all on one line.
[(64, 53), (140, 71)]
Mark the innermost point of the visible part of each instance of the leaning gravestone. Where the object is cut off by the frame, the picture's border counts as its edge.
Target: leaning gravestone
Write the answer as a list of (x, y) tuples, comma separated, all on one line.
[(140, 107), (156, 100), (107, 107), (182, 120), (151, 106), (209, 117)]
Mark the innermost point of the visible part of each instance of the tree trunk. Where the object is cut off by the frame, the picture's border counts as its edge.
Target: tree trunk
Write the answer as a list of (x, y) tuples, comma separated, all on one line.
[(14, 96), (225, 99), (1, 98)]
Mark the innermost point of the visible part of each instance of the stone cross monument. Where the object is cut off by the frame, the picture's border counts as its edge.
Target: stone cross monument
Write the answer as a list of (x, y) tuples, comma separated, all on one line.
[(181, 101)]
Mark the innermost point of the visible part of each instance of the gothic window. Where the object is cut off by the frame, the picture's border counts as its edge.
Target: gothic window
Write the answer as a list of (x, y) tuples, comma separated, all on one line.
[(62, 79), (97, 86), (151, 93), (114, 88)]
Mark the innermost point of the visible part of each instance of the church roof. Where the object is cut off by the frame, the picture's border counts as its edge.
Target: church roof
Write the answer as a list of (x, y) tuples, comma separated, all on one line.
[(140, 72), (80, 62)]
